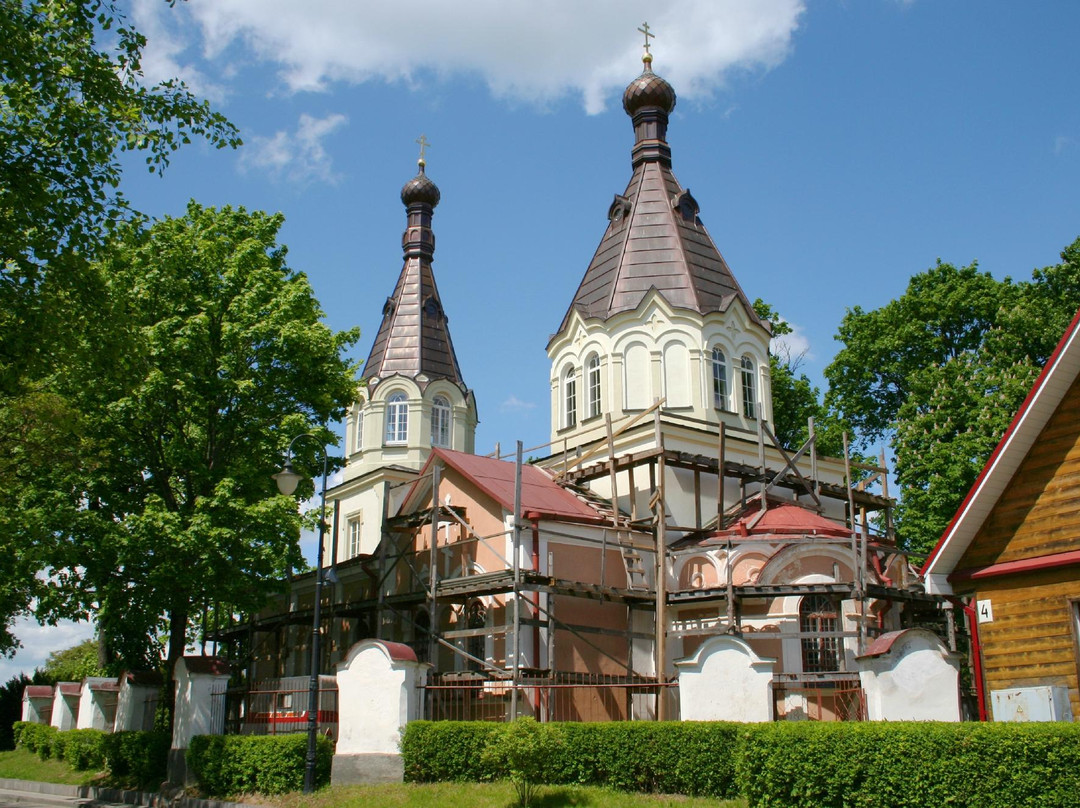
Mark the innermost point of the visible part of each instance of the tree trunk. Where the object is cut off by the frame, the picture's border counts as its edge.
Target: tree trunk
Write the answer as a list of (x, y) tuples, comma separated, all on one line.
[(178, 620)]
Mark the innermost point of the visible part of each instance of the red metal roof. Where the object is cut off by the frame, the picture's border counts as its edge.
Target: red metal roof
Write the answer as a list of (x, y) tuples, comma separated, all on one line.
[(105, 687), (539, 492), (215, 666), (70, 688), (38, 692), (882, 645)]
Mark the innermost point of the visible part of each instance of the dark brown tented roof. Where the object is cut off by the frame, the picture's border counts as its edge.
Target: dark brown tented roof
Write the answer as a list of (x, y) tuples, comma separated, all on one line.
[(414, 337), (654, 238)]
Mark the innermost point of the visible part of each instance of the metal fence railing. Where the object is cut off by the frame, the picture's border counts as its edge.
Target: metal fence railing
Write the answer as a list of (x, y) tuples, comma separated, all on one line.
[(277, 707), (580, 697), (819, 701)]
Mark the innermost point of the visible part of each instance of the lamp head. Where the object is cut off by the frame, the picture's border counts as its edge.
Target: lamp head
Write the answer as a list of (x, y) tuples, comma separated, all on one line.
[(287, 479)]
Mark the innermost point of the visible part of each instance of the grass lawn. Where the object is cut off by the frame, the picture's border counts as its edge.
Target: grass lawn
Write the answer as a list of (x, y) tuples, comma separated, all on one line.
[(483, 795), (22, 765)]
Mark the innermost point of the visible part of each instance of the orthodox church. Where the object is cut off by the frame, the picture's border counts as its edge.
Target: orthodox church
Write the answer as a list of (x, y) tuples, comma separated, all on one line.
[(665, 559)]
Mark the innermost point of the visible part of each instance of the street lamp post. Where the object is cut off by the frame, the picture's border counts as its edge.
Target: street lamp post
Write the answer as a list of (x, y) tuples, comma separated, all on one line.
[(287, 479)]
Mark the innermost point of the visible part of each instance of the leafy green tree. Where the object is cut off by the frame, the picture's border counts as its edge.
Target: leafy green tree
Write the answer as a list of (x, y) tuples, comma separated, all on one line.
[(942, 370), (207, 356), (73, 664), (72, 98)]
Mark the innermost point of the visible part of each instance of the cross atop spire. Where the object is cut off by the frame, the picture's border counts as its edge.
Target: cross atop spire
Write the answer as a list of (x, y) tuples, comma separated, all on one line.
[(423, 141), (648, 35)]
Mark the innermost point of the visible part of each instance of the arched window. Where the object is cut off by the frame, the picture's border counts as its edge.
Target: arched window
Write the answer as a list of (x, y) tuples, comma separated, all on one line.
[(719, 380), (817, 614), (569, 398), (397, 418), (749, 399), (476, 617), (592, 366), (440, 421), (358, 434)]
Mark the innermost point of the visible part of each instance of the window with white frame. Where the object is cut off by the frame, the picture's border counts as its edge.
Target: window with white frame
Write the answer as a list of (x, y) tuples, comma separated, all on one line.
[(358, 429), (397, 418), (354, 532), (440, 421), (719, 379), (749, 399), (592, 376), (569, 398)]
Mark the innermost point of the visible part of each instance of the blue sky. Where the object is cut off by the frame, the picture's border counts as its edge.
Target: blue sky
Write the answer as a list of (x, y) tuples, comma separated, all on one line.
[(835, 147)]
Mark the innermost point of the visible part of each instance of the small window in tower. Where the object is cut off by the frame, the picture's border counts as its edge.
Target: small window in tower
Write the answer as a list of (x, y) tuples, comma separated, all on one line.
[(719, 380), (569, 398), (593, 381), (749, 399), (358, 433), (440, 422), (397, 418)]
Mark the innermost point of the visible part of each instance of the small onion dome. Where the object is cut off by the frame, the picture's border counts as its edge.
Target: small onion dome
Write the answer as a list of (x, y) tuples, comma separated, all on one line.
[(648, 90), (420, 190)]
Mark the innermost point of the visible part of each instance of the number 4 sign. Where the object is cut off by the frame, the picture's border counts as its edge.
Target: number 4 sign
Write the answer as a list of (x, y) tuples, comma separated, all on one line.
[(985, 610)]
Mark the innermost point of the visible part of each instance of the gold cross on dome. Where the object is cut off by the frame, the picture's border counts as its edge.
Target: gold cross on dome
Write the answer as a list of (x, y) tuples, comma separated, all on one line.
[(423, 141), (648, 34)]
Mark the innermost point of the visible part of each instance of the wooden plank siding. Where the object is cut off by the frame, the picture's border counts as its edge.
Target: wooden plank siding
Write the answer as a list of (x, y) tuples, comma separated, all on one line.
[(1039, 513), (1031, 640)]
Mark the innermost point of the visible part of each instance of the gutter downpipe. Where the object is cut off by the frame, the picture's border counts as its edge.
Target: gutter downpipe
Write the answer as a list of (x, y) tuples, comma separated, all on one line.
[(976, 654)]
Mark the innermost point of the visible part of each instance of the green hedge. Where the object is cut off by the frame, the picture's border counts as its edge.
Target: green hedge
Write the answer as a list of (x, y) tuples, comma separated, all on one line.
[(226, 765), (670, 757), (846, 765), (910, 764), (136, 759)]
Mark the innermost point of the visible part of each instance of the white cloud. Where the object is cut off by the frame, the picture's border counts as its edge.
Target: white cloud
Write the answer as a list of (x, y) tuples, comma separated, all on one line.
[(299, 156), (794, 346), (515, 404), (166, 43), (586, 49), (40, 641)]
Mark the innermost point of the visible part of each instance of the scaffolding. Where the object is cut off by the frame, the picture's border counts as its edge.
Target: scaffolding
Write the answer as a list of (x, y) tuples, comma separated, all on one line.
[(409, 585)]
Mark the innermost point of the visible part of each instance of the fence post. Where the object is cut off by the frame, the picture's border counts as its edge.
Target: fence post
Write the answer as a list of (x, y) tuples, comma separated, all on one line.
[(199, 681), (379, 692)]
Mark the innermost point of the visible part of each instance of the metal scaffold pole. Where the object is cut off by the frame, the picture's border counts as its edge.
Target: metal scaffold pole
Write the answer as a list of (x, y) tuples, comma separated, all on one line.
[(516, 594)]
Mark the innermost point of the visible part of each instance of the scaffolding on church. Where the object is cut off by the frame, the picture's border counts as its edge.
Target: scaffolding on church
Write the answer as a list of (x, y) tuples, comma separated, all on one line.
[(494, 636)]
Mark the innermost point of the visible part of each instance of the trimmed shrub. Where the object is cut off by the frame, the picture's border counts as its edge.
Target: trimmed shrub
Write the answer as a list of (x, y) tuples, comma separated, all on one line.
[(227, 765), (441, 751), (138, 759), (670, 757), (38, 738), (910, 764), (823, 765), (17, 731), (83, 749)]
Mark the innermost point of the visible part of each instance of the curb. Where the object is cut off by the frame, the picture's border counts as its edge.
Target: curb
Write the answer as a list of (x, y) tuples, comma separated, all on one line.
[(149, 799)]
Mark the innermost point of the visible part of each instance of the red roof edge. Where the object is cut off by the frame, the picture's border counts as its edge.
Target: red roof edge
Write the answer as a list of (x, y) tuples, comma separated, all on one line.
[(1020, 413), (1046, 562)]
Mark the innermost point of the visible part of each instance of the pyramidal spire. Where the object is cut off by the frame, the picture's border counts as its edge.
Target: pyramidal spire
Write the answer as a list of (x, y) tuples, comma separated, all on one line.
[(654, 238), (414, 336)]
